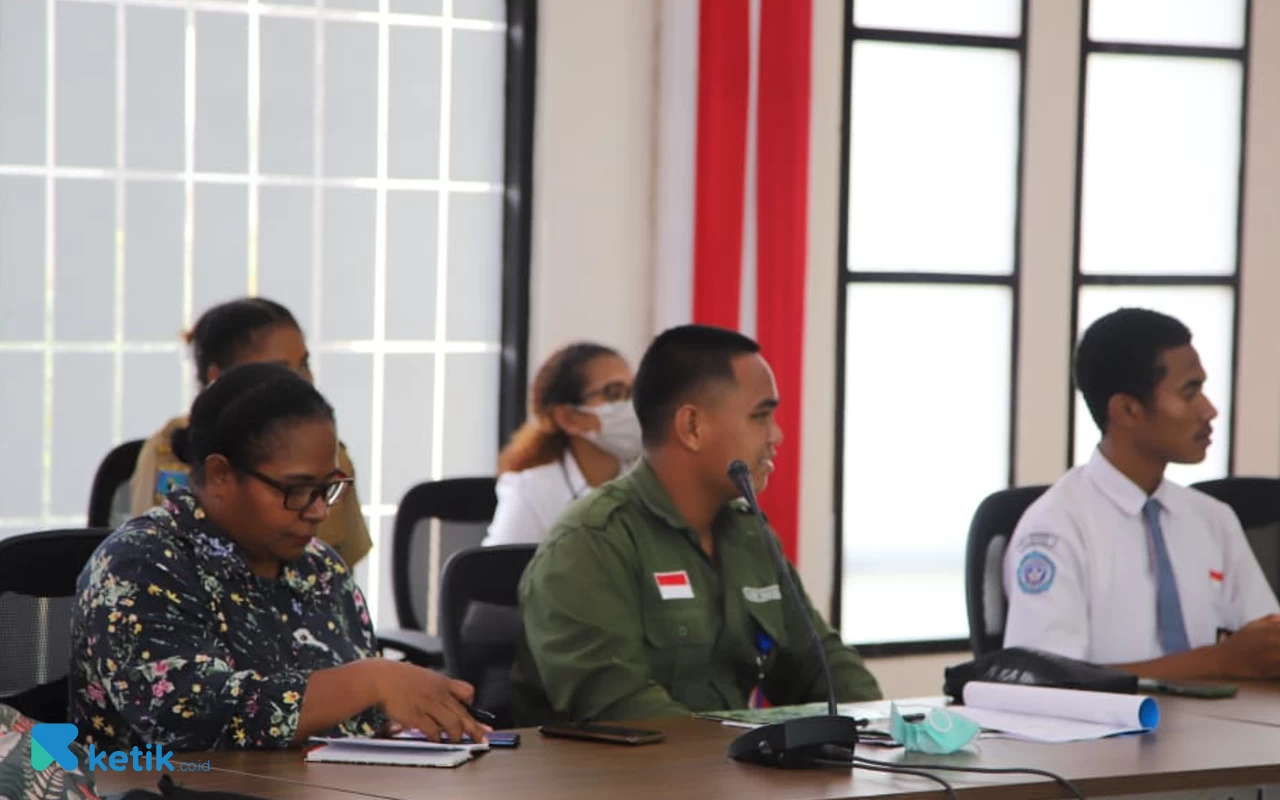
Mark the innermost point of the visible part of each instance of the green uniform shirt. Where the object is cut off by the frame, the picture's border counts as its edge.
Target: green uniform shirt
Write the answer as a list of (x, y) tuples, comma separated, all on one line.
[(602, 642)]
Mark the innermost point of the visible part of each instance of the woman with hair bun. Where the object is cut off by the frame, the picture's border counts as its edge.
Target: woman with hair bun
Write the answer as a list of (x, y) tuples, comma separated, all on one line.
[(244, 331)]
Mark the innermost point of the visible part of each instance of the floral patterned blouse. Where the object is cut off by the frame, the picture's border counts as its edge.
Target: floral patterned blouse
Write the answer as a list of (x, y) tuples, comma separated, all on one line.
[(176, 641)]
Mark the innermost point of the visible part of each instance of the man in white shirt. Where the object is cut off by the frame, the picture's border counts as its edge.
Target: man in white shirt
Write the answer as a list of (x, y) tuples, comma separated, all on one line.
[(1116, 565)]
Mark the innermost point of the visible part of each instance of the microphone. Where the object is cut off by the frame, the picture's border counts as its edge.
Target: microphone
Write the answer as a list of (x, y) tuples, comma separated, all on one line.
[(798, 742)]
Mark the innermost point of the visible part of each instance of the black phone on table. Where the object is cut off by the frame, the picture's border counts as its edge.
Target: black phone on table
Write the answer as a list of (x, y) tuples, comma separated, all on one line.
[(1206, 691), (610, 734)]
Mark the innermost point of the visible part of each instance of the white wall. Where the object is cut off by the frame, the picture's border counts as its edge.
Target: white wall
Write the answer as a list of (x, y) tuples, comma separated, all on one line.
[(817, 476), (593, 175), (594, 259), (1048, 199), (1257, 447)]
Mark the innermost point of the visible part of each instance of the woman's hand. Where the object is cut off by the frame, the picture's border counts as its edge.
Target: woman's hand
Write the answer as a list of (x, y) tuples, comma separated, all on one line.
[(415, 697)]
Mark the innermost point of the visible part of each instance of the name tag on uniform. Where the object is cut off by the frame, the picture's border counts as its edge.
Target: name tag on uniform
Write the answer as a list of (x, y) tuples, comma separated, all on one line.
[(674, 585), (761, 594)]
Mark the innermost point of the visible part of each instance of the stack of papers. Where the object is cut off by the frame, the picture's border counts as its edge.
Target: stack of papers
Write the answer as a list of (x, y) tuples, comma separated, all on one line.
[(1040, 714), (400, 752)]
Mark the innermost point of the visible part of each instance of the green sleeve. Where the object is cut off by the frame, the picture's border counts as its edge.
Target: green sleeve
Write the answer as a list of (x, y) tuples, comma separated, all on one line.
[(581, 610), (800, 673)]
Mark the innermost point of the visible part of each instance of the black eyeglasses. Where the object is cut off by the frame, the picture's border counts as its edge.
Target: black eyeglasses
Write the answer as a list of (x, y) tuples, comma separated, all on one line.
[(302, 496), (614, 392)]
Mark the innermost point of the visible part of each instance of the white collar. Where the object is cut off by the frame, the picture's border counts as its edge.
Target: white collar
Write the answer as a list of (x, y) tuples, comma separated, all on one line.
[(1123, 492)]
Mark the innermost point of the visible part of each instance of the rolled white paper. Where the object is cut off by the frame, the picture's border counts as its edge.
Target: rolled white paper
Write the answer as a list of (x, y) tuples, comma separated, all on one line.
[(1105, 708)]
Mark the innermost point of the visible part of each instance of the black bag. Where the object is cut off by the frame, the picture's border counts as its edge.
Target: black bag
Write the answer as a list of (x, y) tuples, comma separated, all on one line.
[(1037, 668)]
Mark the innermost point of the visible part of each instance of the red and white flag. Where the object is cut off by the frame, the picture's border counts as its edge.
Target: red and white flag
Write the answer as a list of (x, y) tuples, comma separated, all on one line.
[(735, 104), (674, 585)]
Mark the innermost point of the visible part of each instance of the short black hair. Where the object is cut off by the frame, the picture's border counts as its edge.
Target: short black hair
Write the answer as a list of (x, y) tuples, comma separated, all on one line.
[(238, 414), (1120, 354), (225, 333), (679, 362)]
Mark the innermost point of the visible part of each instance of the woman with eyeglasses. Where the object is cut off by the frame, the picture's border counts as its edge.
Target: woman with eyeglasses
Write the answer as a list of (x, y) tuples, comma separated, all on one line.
[(243, 331), (219, 619), (582, 431)]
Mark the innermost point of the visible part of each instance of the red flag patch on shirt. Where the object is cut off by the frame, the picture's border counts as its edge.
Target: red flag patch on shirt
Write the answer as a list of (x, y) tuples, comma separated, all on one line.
[(674, 585), (1216, 576)]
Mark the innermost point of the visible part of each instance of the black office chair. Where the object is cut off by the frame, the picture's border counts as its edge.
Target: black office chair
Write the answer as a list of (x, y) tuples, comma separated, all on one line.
[(1256, 502), (462, 508), (989, 533), (38, 574), (109, 501), (480, 622)]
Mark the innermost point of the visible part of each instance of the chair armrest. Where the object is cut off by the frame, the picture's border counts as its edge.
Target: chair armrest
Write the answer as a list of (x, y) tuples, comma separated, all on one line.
[(418, 647)]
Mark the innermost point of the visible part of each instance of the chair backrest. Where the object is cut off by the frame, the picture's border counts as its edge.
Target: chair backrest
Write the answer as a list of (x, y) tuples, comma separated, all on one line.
[(1256, 502), (441, 516), (109, 498), (480, 621), (38, 573), (989, 533)]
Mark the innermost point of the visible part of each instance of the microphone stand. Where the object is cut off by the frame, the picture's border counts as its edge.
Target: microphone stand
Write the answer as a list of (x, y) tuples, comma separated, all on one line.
[(799, 742)]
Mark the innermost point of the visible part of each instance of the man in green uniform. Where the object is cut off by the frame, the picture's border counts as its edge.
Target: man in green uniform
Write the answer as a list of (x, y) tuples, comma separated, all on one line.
[(657, 595)]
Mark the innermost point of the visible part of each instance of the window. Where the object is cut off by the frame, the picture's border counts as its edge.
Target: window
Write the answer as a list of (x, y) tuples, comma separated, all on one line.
[(348, 158), (949, 286), (929, 265), (1159, 184)]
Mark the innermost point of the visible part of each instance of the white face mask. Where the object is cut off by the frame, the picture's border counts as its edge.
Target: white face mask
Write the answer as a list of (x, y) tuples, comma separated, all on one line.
[(619, 433)]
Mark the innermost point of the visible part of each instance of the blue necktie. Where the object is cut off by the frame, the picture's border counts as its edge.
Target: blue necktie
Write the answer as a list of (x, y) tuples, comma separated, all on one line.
[(1169, 622)]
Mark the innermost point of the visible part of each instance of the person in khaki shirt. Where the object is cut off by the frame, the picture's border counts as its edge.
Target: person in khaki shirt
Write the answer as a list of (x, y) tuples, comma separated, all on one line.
[(657, 595), (239, 332)]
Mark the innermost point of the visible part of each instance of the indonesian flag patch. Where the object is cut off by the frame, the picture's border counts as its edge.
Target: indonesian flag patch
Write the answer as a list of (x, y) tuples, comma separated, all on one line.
[(674, 585)]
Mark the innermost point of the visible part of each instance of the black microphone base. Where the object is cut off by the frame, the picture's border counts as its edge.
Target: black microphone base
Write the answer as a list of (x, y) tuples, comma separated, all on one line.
[(794, 744)]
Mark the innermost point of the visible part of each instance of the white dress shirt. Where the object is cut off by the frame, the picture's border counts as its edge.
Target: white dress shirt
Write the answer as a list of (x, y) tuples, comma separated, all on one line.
[(1081, 581), (530, 500)]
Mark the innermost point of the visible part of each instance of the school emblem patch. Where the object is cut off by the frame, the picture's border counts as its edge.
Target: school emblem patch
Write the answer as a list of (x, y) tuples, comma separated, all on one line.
[(1035, 572), (168, 480)]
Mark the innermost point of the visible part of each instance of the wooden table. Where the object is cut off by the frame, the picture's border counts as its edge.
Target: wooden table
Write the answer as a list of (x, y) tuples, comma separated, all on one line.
[(1188, 752), (222, 781), (1257, 702)]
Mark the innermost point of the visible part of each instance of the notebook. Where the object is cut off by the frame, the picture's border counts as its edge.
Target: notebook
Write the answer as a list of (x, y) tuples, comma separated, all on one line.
[(755, 717), (392, 752)]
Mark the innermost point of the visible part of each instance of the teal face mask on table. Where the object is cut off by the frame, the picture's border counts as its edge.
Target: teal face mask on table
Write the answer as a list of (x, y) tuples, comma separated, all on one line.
[(939, 733)]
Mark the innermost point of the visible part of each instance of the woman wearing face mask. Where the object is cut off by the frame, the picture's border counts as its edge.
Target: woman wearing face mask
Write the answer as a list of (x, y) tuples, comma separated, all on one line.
[(582, 431)]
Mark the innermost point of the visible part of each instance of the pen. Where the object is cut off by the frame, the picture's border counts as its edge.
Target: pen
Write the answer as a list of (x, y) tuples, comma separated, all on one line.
[(479, 714)]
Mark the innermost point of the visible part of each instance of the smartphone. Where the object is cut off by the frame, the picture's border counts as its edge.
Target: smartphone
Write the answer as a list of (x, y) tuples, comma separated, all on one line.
[(496, 738), (1210, 691), (504, 739), (601, 733)]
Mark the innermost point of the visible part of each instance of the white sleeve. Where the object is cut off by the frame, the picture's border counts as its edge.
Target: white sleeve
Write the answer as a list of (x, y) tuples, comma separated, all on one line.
[(1046, 583), (1249, 595), (514, 521)]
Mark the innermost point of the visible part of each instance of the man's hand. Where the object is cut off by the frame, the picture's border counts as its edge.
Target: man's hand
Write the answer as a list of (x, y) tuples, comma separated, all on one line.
[(1254, 650)]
